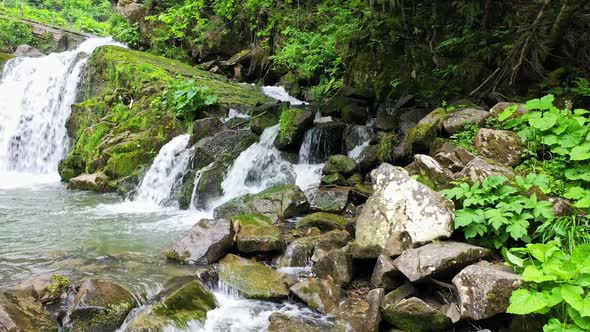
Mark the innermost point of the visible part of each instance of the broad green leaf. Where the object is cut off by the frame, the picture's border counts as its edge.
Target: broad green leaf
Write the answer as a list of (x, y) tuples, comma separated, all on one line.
[(554, 325), (507, 113), (542, 251), (583, 203), (523, 302), (582, 322), (532, 274), (511, 258), (580, 152)]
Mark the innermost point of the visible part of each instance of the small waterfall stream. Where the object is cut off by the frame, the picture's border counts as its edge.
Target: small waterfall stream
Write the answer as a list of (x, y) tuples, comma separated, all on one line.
[(35, 99)]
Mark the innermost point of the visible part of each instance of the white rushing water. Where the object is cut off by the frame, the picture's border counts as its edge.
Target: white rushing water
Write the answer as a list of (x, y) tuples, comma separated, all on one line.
[(364, 135), (35, 99), (279, 93)]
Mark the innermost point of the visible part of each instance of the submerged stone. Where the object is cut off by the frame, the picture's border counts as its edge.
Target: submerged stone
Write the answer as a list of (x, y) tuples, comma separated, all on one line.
[(21, 312)]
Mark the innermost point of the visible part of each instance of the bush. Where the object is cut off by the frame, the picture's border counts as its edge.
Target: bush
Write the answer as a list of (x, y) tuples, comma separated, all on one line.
[(188, 98)]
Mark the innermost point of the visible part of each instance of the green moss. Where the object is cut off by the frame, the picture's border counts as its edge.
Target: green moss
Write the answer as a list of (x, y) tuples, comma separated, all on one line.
[(322, 220), (386, 147), (286, 124), (4, 57), (58, 284), (190, 302), (252, 219)]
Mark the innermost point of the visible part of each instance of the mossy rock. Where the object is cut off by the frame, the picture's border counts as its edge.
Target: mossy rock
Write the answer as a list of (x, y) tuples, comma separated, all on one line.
[(4, 58), (252, 279), (416, 315), (192, 301), (100, 305), (21, 312), (340, 164), (322, 220), (292, 125), (260, 122), (426, 130), (257, 234), (335, 179)]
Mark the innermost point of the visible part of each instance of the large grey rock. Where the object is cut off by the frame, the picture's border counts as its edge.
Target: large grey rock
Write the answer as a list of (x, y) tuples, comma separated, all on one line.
[(322, 295), (284, 323), (368, 158), (452, 157), (322, 220), (485, 289), (21, 312), (418, 138), (206, 242), (415, 315), (359, 315), (191, 301), (432, 173), (480, 168), (277, 203), (134, 12), (95, 182), (28, 51), (256, 234), (402, 292), (252, 279), (501, 145), (206, 127), (335, 263), (100, 305), (223, 147), (385, 274), (456, 121), (435, 260), (300, 251), (401, 212), (327, 199)]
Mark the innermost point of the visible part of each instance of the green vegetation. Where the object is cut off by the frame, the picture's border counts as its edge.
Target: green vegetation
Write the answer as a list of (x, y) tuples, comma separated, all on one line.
[(188, 98), (58, 284), (466, 138), (14, 33), (386, 147)]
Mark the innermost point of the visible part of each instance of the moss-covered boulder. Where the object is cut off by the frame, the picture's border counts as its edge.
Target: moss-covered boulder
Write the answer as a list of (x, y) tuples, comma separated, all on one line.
[(100, 305), (413, 314), (4, 57), (293, 124), (322, 220), (122, 122), (256, 234), (340, 164), (426, 130), (335, 179), (277, 203), (21, 312), (252, 279), (206, 127), (334, 263), (327, 199), (503, 146), (192, 301)]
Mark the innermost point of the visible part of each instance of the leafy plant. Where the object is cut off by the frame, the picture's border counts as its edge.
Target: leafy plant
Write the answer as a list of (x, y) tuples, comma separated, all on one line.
[(494, 212), (569, 231), (466, 138), (286, 128), (386, 146), (557, 284), (558, 133), (188, 98)]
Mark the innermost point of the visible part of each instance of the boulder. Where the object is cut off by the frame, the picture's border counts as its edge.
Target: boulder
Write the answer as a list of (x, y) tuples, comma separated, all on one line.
[(322, 220), (354, 112), (251, 279), (21, 312), (562, 207), (359, 315), (100, 305), (340, 164), (497, 109), (385, 274), (191, 301), (432, 173), (95, 182), (458, 120), (293, 124), (134, 12), (426, 130), (256, 234), (284, 323), (385, 120), (356, 178), (485, 289), (401, 212), (480, 168), (209, 185), (333, 180), (415, 315), (206, 127), (319, 294), (501, 145), (327, 199), (262, 121), (368, 158), (373, 315), (206, 242), (300, 251), (452, 157), (335, 263), (223, 147), (436, 260), (278, 203), (395, 296), (28, 51), (360, 193)]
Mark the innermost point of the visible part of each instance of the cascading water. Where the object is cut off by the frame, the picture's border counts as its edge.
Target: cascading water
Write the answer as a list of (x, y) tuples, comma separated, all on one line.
[(35, 99), (279, 93), (257, 168), (363, 135), (165, 174)]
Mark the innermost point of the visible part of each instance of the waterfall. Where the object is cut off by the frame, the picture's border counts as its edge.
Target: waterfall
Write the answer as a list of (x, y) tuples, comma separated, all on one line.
[(35, 99), (194, 198), (363, 136), (279, 93), (165, 174), (257, 168)]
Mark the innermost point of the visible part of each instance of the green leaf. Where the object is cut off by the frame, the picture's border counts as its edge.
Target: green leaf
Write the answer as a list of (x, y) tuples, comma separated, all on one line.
[(507, 113), (582, 322), (584, 203), (581, 152), (542, 251), (544, 123), (523, 302), (533, 274)]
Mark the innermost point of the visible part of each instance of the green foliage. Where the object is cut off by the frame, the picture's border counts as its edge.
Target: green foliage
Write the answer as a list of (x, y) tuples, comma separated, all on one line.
[(569, 232), (559, 134), (124, 32), (495, 212), (12, 34), (557, 284), (466, 138), (386, 147), (188, 98), (58, 284), (286, 128)]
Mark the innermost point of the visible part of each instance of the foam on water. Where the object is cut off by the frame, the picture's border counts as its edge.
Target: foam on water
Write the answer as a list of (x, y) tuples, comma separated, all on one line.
[(279, 93)]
